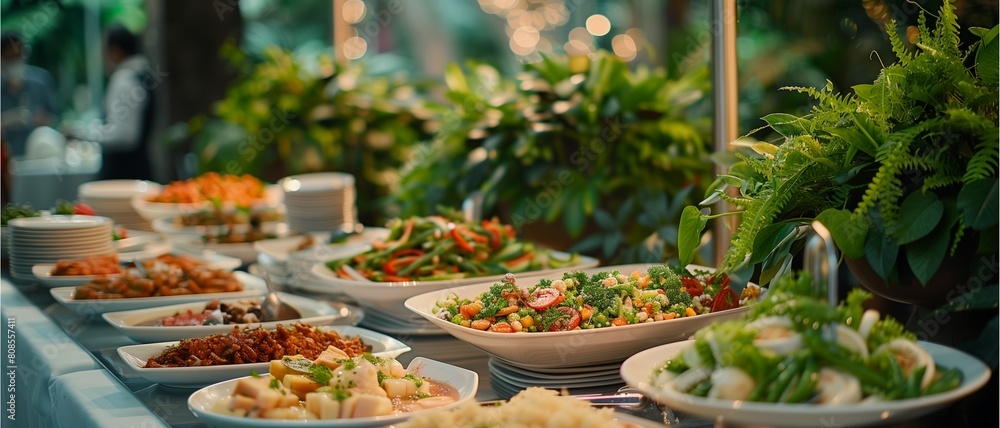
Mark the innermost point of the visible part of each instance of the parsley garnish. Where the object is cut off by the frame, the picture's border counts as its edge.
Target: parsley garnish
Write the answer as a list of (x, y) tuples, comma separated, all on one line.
[(349, 363), (340, 394), (321, 374), (373, 359), (254, 373), (416, 380), (381, 378)]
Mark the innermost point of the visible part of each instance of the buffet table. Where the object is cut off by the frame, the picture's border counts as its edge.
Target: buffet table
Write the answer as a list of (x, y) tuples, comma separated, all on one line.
[(68, 372)]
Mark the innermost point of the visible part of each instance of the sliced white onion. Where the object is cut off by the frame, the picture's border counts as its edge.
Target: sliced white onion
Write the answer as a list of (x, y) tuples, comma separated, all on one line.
[(731, 383), (913, 356), (852, 340), (777, 335), (868, 321), (837, 387), (689, 379)]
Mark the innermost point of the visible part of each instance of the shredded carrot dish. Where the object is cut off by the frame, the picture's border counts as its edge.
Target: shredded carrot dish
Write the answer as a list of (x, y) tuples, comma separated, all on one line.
[(241, 189)]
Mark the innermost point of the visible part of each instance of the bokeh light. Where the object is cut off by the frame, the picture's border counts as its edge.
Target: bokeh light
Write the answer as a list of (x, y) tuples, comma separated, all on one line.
[(598, 25), (355, 47), (624, 46), (353, 11)]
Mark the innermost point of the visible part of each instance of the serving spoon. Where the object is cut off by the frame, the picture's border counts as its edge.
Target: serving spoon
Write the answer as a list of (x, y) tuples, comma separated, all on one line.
[(272, 307)]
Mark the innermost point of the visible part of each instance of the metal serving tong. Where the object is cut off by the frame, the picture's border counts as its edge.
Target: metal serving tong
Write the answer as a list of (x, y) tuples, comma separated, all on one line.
[(821, 262)]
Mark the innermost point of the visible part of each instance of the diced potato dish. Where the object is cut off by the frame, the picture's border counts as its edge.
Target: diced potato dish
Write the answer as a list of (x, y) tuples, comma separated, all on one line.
[(334, 386)]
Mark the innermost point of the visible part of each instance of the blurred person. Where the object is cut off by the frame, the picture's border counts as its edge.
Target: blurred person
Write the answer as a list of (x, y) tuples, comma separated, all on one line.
[(126, 129), (27, 98)]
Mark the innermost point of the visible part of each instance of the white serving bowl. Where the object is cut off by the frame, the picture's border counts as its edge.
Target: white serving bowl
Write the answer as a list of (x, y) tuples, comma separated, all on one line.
[(566, 348), (154, 210), (463, 380), (637, 371), (389, 297)]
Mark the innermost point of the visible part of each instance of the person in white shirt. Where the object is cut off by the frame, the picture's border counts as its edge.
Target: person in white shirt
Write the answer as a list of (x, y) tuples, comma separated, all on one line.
[(128, 110)]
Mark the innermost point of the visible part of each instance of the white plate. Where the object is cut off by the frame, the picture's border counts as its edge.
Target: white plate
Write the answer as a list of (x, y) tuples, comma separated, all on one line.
[(44, 274), (243, 251), (514, 379), (280, 250), (58, 222), (252, 287), (402, 330), (43, 271), (388, 297), (314, 312), (149, 251), (561, 370), (135, 356), (637, 371), (168, 226), (567, 348), (114, 190), (320, 182), (154, 210), (527, 375), (465, 381)]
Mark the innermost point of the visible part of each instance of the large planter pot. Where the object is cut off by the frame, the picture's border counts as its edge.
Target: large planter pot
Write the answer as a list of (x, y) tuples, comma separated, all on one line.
[(945, 285)]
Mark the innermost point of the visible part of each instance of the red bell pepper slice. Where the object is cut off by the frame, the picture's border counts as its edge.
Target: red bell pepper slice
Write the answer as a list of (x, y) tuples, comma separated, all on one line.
[(726, 299), (462, 243), (495, 235), (694, 287), (520, 259), (393, 266)]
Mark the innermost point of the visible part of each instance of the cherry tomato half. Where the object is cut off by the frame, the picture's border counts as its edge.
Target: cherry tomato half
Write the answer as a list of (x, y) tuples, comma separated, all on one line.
[(545, 298), (563, 324)]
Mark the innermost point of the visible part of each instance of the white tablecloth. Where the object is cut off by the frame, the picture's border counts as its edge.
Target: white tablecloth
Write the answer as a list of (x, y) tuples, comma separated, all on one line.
[(95, 398), (42, 350)]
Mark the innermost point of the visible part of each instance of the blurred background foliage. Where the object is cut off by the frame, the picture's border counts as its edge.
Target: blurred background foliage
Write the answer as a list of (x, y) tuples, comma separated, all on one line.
[(394, 108)]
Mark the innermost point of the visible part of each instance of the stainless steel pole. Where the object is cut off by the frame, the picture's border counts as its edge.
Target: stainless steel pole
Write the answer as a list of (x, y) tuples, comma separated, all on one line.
[(724, 98)]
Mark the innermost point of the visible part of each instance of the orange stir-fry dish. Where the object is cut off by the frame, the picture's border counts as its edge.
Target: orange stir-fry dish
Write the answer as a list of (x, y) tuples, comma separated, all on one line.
[(168, 275), (242, 190), (97, 265)]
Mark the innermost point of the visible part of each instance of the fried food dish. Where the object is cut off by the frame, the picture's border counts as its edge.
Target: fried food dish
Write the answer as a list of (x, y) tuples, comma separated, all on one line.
[(242, 346)]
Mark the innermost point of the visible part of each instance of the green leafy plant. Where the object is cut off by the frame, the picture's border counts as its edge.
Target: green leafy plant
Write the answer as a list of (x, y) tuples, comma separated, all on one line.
[(902, 171), (282, 117), (580, 146)]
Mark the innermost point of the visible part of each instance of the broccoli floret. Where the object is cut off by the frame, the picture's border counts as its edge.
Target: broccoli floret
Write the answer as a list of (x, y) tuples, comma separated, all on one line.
[(677, 308), (598, 277), (679, 296), (578, 276), (660, 276), (599, 296), (494, 300)]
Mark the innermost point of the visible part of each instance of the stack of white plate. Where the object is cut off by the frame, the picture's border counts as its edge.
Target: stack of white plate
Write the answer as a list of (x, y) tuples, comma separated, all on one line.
[(113, 199), (319, 202), (508, 378), (36, 240), (393, 325)]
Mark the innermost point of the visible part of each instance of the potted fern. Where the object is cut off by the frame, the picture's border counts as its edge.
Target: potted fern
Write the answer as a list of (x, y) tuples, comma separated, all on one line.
[(902, 171), (577, 153)]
